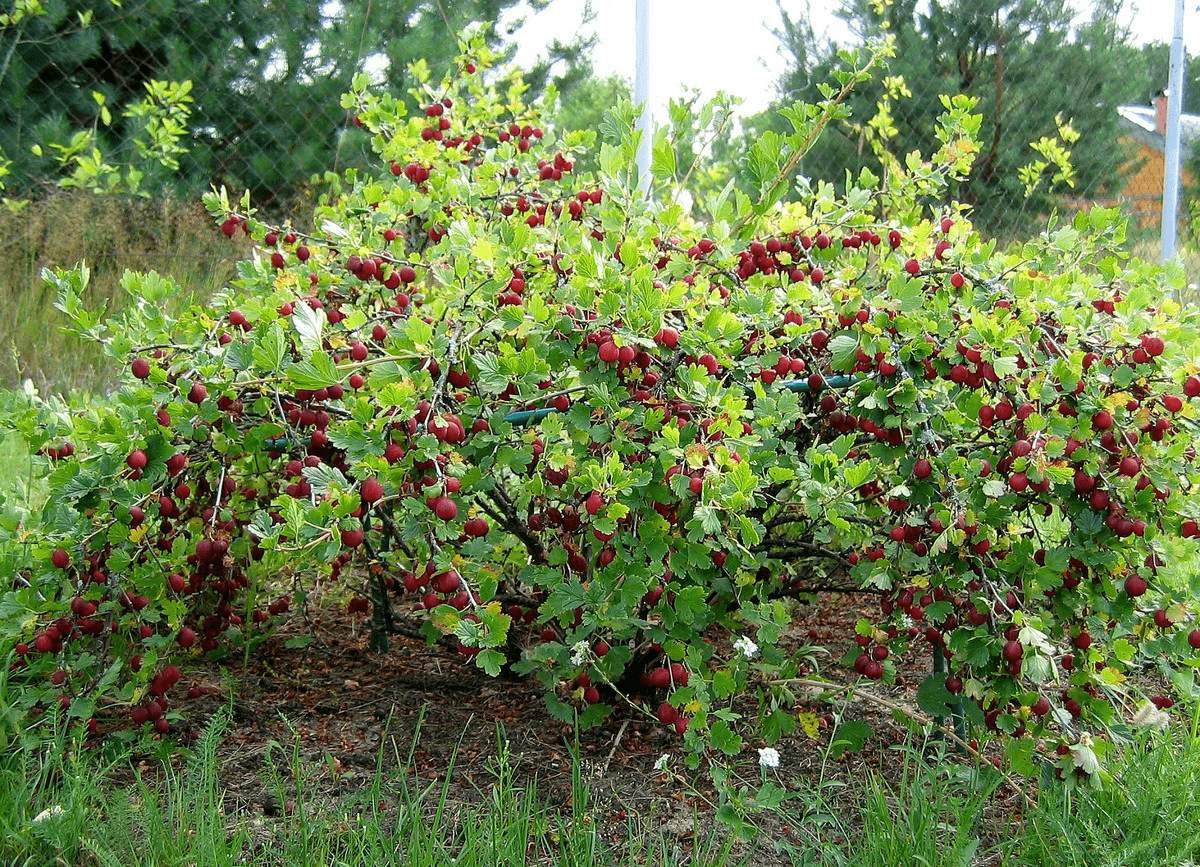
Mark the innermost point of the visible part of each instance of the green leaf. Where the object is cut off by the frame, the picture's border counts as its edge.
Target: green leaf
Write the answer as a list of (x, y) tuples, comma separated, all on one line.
[(490, 661), (309, 324), (842, 350), (849, 737), (316, 373), (725, 739), (1019, 752), (270, 348), (691, 604), (934, 698)]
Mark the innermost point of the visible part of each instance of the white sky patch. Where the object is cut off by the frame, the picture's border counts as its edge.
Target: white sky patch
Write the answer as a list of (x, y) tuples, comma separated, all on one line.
[(715, 45)]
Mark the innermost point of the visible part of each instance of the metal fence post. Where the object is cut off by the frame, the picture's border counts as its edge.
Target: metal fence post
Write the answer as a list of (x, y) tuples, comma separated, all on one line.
[(1170, 201), (641, 94)]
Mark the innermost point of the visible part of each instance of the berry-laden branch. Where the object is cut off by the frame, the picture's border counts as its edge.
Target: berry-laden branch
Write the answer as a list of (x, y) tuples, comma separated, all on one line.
[(578, 437)]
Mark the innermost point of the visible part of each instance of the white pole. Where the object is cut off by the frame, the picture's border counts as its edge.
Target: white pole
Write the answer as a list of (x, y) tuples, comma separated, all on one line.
[(1170, 203), (641, 95)]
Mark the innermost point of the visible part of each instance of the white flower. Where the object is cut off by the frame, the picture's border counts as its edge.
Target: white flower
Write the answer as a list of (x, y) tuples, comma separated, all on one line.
[(746, 647), (768, 757), (48, 813), (1151, 717), (579, 652), (661, 764)]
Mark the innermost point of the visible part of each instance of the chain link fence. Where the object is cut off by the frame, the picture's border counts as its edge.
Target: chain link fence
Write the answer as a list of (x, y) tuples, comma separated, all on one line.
[(115, 115), (1074, 111), (157, 101), (168, 98)]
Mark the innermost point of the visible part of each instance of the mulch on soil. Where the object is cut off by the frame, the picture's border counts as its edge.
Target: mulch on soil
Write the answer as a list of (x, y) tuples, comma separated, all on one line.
[(340, 706)]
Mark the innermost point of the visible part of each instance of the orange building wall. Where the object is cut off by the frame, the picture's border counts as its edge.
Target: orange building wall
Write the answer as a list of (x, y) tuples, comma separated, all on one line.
[(1143, 187)]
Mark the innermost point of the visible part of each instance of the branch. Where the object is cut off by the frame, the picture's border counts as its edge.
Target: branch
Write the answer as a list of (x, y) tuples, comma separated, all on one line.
[(793, 592), (515, 525), (895, 707), (783, 550)]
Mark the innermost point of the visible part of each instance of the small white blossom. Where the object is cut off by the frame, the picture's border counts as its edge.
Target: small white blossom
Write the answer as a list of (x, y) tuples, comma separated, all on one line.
[(579, 652), (661, 764), (48, 813), (768, 757), (746, 647), (1151, 717)]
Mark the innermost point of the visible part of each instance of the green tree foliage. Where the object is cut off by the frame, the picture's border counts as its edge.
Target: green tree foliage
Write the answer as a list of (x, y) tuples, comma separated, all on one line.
[(265, 76), (1030, 63)]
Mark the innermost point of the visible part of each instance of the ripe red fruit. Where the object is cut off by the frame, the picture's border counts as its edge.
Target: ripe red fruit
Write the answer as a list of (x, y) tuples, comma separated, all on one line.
[(140, 368), (198, 393), (609, 353), (594, 503), (1135, 585), (659, 678), (476, 527), (176, 582), (922, 469), (371, 491), (1102, 420), (60, 558), (601, 648), (352, 538), (1172, 402), (1194, 639), (137, 460), (667, 337), (1041, 707), (445, 508), (1191, 386), (1130, 466), (186, 637), (913, 267), (1013, 651)]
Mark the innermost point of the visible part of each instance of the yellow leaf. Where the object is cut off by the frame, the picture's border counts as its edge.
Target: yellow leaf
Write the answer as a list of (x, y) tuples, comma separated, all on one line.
[(810, 723), (445, 619), (696, 455)]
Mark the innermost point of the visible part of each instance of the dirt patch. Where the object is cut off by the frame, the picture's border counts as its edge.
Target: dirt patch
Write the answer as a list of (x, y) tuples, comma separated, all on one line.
[(338, 706)]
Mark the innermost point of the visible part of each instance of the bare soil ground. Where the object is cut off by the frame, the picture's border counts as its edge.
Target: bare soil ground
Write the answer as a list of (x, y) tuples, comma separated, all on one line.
[(343, 708)]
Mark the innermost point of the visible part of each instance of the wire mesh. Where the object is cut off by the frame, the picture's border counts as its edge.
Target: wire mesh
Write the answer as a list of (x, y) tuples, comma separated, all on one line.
[(1047, 81), (84, 96)]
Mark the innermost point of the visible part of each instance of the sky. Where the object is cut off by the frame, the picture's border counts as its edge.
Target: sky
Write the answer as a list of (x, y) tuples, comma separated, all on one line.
[(727, 45)]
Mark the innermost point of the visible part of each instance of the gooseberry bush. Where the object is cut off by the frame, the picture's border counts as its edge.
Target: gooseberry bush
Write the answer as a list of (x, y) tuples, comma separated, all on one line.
[(599, 439)]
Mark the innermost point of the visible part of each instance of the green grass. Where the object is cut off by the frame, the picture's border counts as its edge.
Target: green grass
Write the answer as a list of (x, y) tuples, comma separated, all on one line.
[(179, 817), (922, 814), (1150, 814)]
